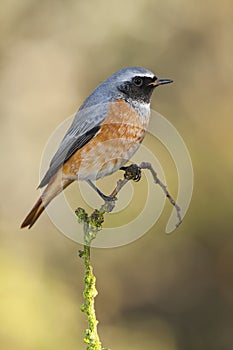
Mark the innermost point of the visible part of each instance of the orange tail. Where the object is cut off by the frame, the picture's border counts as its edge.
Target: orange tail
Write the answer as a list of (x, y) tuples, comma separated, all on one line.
[(34, 214), (54, 187)]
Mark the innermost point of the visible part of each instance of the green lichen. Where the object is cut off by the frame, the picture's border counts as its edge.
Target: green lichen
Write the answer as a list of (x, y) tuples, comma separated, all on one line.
[(91, 225)]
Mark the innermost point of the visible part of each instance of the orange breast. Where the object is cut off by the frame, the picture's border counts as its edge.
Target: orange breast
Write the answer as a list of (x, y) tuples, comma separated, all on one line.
[(113, 145)]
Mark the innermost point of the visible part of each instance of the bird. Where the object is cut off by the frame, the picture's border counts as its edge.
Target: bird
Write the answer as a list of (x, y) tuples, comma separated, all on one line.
[(105, 133)]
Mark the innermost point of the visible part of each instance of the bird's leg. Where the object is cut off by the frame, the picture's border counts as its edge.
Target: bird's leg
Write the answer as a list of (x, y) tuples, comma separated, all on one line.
[(132, 172), (101, 194)]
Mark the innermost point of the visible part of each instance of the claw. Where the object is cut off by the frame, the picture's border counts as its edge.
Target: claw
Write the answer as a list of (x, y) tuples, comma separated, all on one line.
[(132, 172)]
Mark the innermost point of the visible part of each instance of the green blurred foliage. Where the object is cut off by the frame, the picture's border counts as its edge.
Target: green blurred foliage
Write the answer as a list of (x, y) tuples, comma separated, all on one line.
[(162, 292)]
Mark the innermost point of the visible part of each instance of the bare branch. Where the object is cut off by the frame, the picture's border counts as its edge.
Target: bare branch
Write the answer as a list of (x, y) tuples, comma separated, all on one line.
[(146, 165), (133, 172)]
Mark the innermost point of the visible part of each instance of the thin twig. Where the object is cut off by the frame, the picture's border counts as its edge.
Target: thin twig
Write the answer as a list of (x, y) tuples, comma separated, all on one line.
[(146, 165), (132, 172), (108, 206)]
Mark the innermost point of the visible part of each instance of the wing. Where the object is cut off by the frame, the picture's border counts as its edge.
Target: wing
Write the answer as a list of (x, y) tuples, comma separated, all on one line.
[(84, 127)]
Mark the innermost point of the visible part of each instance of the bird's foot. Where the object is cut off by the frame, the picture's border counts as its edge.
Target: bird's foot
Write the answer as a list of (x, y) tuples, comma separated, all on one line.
[(107, 198), (132, 172)]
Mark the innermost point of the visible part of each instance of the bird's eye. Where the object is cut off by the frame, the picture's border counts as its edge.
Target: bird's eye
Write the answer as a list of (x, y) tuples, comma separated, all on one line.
[(138, 81)]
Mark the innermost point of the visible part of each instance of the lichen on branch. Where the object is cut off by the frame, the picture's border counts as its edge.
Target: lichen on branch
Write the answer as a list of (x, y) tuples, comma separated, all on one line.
[(91, 226)]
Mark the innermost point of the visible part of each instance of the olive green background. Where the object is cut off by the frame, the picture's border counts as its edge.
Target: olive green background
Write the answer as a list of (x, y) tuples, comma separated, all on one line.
[(165, 292)]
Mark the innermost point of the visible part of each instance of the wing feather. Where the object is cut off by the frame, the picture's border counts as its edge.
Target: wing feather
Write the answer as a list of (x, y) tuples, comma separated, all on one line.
[(84, 127)]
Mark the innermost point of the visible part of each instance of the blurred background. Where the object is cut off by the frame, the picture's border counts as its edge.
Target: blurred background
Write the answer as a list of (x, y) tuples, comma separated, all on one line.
[(166, 292)]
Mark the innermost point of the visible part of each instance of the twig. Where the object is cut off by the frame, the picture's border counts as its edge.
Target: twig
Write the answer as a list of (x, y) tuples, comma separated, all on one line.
[(133, 172), (146, 165)]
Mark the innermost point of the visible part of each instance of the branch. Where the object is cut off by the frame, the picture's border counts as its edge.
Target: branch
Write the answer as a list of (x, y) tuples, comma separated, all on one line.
[(91, 225)]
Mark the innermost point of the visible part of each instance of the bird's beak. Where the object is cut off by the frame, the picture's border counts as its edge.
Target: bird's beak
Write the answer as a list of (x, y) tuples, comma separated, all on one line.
[(158, 82)]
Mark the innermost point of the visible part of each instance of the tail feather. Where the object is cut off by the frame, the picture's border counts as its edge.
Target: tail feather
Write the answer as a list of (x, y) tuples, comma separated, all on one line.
[(34, 214), (55, 186)]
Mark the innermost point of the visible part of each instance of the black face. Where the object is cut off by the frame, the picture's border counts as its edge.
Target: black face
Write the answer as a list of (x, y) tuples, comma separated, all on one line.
[(138, 89)]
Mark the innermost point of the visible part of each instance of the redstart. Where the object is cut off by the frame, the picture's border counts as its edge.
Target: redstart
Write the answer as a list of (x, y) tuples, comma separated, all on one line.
[(105, 133)]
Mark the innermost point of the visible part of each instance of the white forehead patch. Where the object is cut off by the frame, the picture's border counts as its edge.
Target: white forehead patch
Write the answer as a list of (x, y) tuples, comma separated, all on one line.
[(130, 75), (149, 75)]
